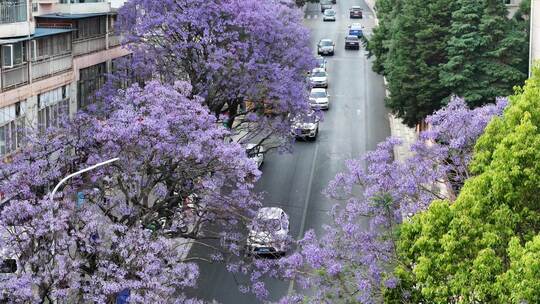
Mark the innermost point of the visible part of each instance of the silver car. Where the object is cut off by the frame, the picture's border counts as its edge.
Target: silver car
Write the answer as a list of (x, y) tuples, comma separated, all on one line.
[(321, 62), (318, 99), (326, 47), (318, 78), (268, 233)]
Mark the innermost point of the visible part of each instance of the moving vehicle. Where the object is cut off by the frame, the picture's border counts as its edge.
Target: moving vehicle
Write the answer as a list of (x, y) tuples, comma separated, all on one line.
[(326, 47), (352, 42), (355, 12), (329, 15), (268, 232), (318, 78), (318, 99), (325, 4), (305, 126), (355, 29), (256, 153)]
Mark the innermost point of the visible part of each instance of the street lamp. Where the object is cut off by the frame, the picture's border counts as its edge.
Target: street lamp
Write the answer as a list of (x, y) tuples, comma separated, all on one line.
[(51, 197)]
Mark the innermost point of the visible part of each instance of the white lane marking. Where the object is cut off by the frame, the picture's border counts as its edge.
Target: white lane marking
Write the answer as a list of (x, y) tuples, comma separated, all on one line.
[(306, 203)]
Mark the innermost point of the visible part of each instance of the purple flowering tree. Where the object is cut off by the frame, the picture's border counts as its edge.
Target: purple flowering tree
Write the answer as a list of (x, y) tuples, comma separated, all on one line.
[(176, 182), (352, 260), (247, 58)]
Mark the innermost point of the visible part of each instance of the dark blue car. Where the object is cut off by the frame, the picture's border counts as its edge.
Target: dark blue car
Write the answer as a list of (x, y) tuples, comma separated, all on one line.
[(356, 30)]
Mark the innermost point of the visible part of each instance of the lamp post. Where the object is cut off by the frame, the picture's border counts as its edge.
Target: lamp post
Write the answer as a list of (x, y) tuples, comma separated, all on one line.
[(51, 197)]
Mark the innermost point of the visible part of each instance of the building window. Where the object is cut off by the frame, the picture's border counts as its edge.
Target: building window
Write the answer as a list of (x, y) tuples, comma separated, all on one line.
[(12, 11), (53, 107), (51, 46), (91, 79), (12, 127), (13, 54), (90, 27)]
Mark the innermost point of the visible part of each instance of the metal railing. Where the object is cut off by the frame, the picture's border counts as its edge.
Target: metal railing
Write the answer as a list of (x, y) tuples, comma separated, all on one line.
[(89, 45), (52, 65), (13, 11), (15, 76), (114, 40)]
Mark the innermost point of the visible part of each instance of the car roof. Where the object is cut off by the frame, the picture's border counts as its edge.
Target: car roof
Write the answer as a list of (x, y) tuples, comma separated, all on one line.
[(356, 7), (315, 90), (270, 213), (325, 39), (316, 70), (352, 37), (356, 25), (250, 146)]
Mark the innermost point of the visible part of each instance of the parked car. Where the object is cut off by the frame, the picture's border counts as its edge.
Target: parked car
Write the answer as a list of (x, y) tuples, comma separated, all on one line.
[(325, 4), (256, 153), (318, 99), (352, 42), (334, 1), (318, 78), (355, 12), (305, 126), (321, 62), (268, 233), (329, 15), (356, 30), (325, 47)]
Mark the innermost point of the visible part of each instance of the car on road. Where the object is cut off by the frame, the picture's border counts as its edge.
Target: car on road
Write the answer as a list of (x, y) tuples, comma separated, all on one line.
[(255, 152), (318, 99), (325, 4), (356, 29), (329, 15), (268, 232), (305, 126), (352, 42), (326, 47), (355, 12), (318, 78), (321, 62)]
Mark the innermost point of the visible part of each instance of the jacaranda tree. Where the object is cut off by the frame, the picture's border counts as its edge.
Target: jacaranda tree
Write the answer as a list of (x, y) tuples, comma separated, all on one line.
[(351, 262), (176, 181), (247, 58)]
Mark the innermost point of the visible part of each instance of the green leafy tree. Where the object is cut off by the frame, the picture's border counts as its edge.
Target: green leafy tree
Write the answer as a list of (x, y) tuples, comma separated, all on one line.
[(469, 251), (417, 48), (487, 54), (378, 44)]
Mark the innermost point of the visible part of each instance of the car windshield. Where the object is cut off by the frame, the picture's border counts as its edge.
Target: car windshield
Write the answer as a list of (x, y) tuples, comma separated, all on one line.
[(353, 38), (355, 8), (317, 94), (251, 153), (262, 224), (326, 43), (320, 61), (319, 74), (329, 12)]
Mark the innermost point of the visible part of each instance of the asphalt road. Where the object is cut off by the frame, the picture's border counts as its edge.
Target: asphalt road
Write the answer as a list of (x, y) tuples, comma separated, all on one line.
[(356, 121)]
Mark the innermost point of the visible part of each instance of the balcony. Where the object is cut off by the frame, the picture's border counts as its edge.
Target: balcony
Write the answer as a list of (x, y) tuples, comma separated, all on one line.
[(14, 77), (14, 19), (88, 7), (52, 65), (114, 40), (89, 45), (13, 11)]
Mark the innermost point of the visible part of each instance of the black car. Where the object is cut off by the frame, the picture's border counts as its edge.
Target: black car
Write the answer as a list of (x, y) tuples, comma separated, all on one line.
[(355, 12), (325, 4), (352, 42)]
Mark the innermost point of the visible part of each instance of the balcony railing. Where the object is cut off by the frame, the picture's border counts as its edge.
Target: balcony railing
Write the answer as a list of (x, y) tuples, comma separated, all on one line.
[(15, 77), (51, 66), (88, 45), (114, 40), (12, 11)]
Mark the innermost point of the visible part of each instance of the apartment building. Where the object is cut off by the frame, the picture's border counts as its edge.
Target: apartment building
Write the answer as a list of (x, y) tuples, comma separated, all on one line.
[(53, 57)]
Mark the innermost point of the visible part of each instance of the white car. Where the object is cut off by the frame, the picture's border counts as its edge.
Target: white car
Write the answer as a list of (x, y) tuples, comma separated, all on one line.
[(256, 153), (268, 233), (305, 126), (318, 78), (318, 99), (329, 15)]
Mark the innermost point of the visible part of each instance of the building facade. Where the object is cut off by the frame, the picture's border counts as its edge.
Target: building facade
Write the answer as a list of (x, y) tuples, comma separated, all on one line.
[(54, 55)]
